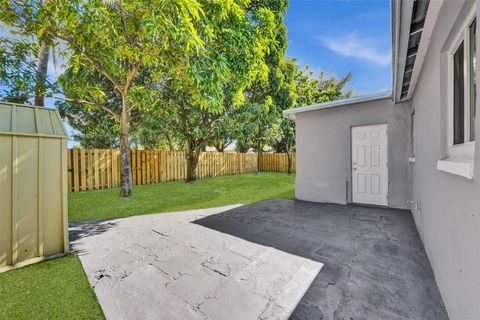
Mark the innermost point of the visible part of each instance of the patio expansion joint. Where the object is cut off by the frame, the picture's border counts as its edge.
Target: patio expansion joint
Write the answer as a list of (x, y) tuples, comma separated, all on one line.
[(211, 265), (168, 275), (195, 307), (349, 275), (270, 305), (160, 233), (392, 239)]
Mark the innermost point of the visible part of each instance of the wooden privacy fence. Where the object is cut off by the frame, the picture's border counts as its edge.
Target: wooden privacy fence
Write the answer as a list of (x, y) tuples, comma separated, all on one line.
[(276, 162), (90, 169)]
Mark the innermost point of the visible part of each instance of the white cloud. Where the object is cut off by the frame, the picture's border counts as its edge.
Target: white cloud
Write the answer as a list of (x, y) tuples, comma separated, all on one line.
[(354, 46)]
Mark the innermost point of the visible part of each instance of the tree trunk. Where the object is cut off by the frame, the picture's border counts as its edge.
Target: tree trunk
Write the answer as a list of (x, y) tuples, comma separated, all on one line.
[(220, 147), (289, 161), (193, 153), (259, 156), (242, 149), (125, 168), (169, 140), (41, 74)]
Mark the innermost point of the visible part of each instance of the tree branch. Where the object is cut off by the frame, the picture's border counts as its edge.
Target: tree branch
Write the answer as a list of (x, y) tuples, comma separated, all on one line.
[(100, 68), (130, 79), (132, 75), (96, 105)]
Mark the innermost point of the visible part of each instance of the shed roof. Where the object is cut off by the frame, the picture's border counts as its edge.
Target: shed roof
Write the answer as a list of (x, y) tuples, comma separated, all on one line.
[(30, 120)]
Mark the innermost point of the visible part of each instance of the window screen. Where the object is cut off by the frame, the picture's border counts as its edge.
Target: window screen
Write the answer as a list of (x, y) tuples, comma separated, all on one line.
[(473, 77), (458, 97)]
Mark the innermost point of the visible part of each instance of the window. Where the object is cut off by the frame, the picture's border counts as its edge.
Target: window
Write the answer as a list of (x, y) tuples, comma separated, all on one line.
[(458, 97), (473, 76), (462, 69), (463, 93)]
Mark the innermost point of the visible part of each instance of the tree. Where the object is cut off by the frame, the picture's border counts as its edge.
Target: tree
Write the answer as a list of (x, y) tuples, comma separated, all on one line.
[(18, 69), (302, 88), (29, 58), (117, 39), (254, 126), (233, 56), (286, 98), (222, 132), (41, 74), (97, 127), (322, 88), (42, 70), (260, 111)]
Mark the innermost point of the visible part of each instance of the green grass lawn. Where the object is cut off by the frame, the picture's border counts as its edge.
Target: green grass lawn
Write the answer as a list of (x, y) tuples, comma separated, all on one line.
[(54, 289), (174, 196), (58, 288)]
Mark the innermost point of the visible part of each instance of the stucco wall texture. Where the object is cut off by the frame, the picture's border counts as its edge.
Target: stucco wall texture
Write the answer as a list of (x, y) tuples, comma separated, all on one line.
[(448, 213), (449, 219), (324, 150)]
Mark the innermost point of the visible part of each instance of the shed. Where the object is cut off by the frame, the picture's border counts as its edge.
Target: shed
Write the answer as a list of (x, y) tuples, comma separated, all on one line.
[(354, 150), (33, 185)]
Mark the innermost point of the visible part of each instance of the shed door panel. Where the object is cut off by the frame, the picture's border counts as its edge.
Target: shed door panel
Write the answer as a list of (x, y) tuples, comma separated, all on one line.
[(5, 201), (52, 196), (369, 165), (27, 197)]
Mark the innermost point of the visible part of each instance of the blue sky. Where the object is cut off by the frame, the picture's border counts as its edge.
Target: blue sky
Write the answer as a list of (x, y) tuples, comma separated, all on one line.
[(337, 36), (341, 36)]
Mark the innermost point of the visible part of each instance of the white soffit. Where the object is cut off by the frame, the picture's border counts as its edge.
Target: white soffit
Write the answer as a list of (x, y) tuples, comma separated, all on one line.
[(402, 15), (430, 20)]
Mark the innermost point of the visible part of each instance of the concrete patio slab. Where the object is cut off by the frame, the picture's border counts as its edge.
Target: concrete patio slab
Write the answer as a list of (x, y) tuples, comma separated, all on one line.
[(375, 263), (166, 267)]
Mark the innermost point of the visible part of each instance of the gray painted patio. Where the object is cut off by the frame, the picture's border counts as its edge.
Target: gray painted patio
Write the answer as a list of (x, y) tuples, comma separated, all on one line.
[(261, 261), (375, 266)]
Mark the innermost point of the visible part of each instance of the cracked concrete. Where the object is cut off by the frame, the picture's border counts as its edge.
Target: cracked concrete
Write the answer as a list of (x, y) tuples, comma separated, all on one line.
[(166, 267), (375, 266)]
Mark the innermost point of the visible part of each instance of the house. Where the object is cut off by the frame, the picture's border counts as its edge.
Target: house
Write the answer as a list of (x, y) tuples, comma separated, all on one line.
[(416, 147)]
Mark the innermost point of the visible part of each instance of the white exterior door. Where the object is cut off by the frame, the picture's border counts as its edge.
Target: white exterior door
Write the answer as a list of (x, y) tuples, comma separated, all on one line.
[(369, 165)]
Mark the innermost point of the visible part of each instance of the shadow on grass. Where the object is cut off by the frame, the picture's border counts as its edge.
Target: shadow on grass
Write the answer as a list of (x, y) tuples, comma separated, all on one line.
[(80, 230)]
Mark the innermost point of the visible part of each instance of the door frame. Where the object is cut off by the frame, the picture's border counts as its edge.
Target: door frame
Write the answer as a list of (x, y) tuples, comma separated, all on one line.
[(351, 166)]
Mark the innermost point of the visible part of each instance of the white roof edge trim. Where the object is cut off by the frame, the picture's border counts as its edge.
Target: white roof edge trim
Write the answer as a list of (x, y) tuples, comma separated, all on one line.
[(290, 113)]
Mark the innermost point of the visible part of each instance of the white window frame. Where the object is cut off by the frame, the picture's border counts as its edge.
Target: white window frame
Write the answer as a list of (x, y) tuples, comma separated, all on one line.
[(466, 150)]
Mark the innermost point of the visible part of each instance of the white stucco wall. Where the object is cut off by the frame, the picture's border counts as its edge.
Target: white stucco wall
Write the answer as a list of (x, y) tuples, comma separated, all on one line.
[(324, 150), (449, 219)]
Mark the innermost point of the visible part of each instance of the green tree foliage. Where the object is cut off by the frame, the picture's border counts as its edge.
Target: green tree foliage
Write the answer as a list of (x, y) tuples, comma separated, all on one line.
[(255, 121), (88, 111), (313, 89), (254, 125), (222, 131), (302, 88), (233, 56), (285, 98), (18, 69), (120, 38), (169, 74), (90, 103)]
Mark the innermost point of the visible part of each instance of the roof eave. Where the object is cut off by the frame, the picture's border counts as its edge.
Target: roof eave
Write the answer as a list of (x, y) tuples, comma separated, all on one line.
[(401, 18), (401, 21), (290, 113)]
